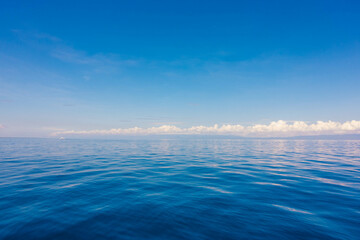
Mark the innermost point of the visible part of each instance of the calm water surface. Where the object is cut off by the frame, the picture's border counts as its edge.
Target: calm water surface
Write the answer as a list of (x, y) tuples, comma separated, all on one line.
[(179, 189)]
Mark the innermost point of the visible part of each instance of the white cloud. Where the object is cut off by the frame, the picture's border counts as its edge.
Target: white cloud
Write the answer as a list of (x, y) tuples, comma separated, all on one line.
[(277, 128)]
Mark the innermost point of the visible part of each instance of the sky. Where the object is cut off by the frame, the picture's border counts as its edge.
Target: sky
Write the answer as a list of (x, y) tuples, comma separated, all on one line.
[(250, 68)]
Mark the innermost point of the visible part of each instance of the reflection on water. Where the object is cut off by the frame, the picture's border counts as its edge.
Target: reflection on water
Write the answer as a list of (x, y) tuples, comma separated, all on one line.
[(179, 189)]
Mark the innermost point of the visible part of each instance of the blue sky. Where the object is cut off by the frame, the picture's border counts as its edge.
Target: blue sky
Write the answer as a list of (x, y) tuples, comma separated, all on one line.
[(89, 65)]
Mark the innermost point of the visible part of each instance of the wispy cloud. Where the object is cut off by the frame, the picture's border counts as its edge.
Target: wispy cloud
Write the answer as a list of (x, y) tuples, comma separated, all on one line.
[(276, 128), (59, 49), (71, 55), (1, 126)]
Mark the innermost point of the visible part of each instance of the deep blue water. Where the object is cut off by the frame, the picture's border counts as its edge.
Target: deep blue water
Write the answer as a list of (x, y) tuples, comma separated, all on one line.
[(179, 189)]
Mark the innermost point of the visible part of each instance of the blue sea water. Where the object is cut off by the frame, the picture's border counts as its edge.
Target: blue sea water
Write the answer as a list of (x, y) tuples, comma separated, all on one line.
[(179, 189)]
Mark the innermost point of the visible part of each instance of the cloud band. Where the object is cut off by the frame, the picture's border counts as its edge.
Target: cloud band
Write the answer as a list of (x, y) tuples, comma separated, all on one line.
[(276, 128)]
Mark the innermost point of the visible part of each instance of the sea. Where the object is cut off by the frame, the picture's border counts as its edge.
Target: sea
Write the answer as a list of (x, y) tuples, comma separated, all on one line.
[(179, 189)]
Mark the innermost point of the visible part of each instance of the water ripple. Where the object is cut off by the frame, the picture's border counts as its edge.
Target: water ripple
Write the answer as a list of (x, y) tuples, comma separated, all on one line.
[(179, 189)]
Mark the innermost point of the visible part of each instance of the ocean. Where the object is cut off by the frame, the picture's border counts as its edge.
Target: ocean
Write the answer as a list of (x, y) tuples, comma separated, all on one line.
[(179, 189)]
